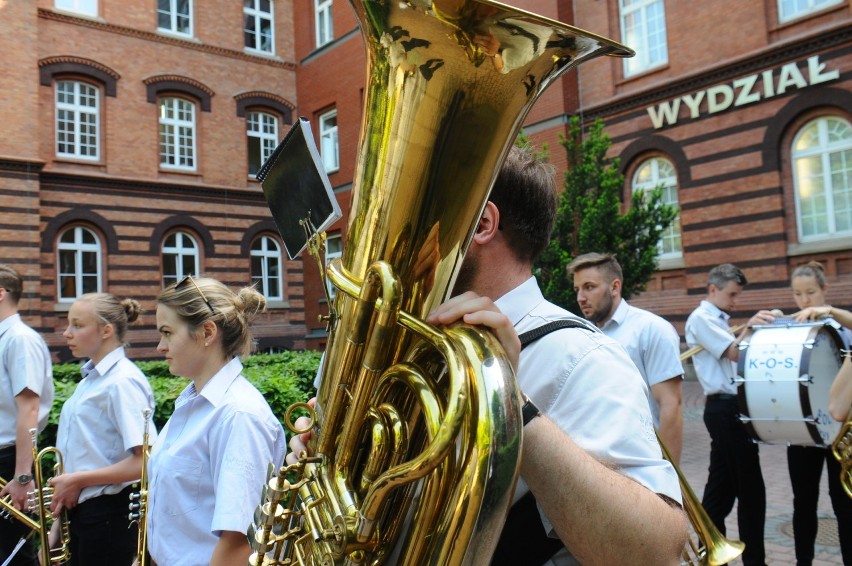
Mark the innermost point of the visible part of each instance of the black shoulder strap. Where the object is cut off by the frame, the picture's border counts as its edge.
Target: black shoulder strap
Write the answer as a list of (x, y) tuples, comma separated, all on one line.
[(523, 539), (545, 329)]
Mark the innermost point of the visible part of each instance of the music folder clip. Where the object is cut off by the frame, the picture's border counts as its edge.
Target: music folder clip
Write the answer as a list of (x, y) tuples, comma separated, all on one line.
[(297, 188)]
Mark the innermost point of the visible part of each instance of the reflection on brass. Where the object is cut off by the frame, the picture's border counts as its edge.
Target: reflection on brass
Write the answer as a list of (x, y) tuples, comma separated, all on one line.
[(842, 450), (417, 433)]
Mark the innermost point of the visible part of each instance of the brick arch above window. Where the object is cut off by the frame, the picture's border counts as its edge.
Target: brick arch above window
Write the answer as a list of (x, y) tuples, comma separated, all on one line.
[(78, 215), (268, 100), (160, 84), (262, 228), (658, 145), (50, 67), (781, 122), (173, 223)]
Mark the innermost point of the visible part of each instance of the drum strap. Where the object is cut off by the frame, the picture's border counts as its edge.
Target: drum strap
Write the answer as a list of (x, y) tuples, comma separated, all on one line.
[(524, 539)]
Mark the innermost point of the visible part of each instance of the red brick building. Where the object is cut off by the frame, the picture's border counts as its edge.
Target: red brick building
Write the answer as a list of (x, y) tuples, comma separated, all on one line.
[(131, 130), (744, 110), (723, 103)]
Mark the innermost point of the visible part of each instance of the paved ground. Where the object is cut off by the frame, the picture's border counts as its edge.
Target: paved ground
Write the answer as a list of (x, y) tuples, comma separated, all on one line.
[(779, 496)]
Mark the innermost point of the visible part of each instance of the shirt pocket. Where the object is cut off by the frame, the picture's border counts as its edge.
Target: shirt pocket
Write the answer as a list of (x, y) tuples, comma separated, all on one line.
[(185, 476)]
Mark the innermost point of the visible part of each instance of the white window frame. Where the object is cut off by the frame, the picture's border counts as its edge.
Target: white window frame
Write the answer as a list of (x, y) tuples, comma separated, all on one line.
[(177, 134), (252, 11), (85, 7), (186, 251), (263, 127), (76, 116), (174, 18), (79, 249), (329, 144), (324, 22), (333, 250), (268, 254), (671, 235), (639, 37), (789, 10), (823, 152)]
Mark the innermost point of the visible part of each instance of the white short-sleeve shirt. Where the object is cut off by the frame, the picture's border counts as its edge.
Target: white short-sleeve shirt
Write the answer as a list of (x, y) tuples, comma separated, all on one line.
[(102, 421), (208, 467), (652, 343), (707, 327), (24, 364), (586, 383)]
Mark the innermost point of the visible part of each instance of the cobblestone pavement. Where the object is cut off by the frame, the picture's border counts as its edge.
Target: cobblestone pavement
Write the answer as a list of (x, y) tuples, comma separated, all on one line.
[(779, 496)]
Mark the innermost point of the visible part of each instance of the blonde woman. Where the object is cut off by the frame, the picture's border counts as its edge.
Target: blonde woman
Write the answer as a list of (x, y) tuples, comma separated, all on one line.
[(208, 466), (805, 463), (100, 433)]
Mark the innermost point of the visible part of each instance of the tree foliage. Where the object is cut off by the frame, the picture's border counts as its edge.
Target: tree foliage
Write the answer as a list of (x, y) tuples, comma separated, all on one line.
[(590, 218)]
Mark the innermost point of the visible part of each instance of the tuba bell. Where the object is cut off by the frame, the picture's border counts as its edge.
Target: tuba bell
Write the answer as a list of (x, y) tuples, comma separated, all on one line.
[(39, 518), (417, 431)]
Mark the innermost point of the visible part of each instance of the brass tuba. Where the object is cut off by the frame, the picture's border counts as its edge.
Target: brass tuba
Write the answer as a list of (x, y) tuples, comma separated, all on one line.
[(842, 450), (138, 506), (39, 519), (417, 431)]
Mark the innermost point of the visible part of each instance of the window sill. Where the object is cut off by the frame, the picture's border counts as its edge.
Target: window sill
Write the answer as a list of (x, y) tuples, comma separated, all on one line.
[(641, 74), (277, 304), (63, 306), (670, 263), (179, 172), (68, 160), (834, 244)]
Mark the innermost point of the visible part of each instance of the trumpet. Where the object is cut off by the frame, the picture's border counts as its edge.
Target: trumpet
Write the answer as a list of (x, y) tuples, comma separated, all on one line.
[(712, 548), (38, 504), (139, 500)]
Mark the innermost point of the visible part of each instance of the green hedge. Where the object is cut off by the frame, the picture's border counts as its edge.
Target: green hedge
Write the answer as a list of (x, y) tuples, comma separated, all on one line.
[(283, 379)]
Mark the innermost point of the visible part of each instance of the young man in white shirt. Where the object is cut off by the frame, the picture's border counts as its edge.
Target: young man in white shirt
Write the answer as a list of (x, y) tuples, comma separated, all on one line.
[(734, 473), (650, 340), (26, 395)]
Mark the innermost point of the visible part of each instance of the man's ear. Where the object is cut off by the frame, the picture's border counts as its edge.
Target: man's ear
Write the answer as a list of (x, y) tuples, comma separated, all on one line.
[(489, 224), (615, 286)]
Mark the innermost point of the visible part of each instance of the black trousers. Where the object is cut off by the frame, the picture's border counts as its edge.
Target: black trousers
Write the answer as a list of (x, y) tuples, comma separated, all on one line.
[(805, 464), (11, 530), (734, 475), (101, 534)]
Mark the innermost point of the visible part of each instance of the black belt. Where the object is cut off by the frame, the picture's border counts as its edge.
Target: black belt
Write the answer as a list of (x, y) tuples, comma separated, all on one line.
[(721, 397)]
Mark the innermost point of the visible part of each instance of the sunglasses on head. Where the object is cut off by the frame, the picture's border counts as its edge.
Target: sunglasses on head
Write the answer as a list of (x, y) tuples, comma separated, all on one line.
[(182, 283)]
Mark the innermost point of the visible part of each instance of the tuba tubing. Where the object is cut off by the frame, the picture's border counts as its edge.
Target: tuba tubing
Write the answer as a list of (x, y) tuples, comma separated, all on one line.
[(417, 431), (841, 448)]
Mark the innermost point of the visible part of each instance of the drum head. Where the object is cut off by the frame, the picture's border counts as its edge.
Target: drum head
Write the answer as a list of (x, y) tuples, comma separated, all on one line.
[(786, 373)]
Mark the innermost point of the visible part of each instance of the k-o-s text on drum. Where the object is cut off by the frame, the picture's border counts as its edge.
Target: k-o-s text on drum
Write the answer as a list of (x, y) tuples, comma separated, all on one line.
[(785, 374)]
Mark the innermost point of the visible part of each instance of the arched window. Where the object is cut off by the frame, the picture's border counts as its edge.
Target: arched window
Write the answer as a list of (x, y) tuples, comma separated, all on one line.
[(266, 268), (79, 263), (657, 172), (262, 136), (177, 134), (180, 257), (822, 176), (77, 120)]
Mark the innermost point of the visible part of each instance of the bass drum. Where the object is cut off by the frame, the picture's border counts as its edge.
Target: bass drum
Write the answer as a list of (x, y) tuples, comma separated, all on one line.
[(785, 373)]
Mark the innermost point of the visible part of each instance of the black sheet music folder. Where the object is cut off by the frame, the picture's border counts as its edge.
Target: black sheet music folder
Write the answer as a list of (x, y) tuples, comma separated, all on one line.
[(296, 187)]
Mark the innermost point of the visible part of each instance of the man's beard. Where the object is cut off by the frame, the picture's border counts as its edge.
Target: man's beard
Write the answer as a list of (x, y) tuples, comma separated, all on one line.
[(467, 275), (601, 313)]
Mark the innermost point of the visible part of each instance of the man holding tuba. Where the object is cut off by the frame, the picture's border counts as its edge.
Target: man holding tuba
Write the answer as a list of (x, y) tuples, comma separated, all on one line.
[(590, 459), (26, 395)]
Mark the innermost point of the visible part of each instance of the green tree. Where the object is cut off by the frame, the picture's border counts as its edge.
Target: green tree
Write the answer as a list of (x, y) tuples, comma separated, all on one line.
[(590, 219)]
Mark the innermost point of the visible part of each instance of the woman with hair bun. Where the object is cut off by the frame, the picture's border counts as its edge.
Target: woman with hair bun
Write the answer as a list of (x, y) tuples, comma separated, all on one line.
[(208, 466), (805, 463), (100, 434)]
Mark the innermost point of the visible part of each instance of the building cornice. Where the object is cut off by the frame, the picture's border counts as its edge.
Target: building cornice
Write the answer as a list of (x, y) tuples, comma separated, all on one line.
[(100, 25), (772, 55), (11, 167)]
